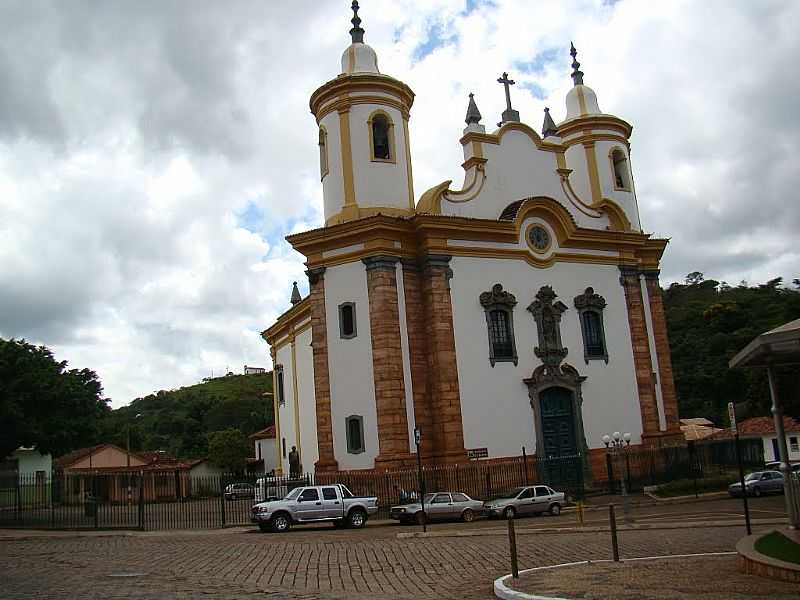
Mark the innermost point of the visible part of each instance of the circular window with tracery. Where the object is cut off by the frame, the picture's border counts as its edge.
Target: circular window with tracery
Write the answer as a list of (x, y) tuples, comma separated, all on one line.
[(539, 238)]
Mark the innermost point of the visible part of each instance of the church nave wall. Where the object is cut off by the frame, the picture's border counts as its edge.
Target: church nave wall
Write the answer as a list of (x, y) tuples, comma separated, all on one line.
[(350, 363)]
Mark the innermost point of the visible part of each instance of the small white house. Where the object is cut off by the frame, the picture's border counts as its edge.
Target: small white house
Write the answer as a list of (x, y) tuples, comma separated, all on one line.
[(265, 448), (30, 465), (764, 428)]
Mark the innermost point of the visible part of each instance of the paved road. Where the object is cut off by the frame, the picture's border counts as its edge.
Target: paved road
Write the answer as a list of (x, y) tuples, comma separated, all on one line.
[(318, 562)]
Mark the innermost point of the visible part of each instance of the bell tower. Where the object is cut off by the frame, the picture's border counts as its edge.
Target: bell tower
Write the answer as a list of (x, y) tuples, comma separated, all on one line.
[(365, 158)]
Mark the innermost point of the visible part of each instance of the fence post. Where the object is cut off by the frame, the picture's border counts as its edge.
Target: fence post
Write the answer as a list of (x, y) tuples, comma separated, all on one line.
[(141, 502), (52, 499), (525, 465), (95, 502), (488, 484), (222, 498), (512, 544), (613, 522)]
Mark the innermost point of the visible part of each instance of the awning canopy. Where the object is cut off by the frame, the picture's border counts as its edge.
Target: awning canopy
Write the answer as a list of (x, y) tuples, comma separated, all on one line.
[(781, 346)]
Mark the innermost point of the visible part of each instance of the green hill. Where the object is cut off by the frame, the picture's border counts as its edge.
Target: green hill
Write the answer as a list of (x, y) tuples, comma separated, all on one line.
[(178, 421)]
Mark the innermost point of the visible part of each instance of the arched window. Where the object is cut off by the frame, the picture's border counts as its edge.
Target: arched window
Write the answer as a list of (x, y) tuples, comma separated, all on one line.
[(323, 152), (500, 334), (499, 306), (347, 320), (354, 432), (381, 137), (619, 166), (592, 333), (590, 311)]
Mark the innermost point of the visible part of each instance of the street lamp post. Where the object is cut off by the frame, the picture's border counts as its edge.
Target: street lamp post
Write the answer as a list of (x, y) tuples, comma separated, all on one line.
[(617, 444), (421, 479)]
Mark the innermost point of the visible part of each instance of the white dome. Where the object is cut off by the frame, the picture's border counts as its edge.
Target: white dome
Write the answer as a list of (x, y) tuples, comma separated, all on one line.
[(359, 58), (581, 101)]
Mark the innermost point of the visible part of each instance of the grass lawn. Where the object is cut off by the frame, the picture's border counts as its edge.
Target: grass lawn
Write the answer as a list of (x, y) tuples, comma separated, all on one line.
[(685, 487), (776, 545)]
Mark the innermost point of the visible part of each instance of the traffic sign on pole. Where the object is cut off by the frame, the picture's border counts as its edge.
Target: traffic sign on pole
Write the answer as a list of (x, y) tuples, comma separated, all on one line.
[(732, 417)]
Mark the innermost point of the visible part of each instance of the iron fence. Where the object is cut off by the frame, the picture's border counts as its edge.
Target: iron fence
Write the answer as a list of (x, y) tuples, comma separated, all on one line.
[(170, 499)]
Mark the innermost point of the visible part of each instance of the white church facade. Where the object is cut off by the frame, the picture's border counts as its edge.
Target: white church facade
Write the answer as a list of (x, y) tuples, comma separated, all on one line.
[(523, 309)]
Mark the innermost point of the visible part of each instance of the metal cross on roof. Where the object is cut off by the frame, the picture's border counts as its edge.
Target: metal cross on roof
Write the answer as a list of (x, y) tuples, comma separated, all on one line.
[(509, 114)]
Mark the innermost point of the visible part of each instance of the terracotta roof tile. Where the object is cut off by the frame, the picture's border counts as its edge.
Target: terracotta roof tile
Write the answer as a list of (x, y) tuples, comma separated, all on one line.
[(268, 433)]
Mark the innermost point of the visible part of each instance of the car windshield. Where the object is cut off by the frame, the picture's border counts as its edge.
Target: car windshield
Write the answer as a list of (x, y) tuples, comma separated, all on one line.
[(509, 494), (753, 476), (293, 494)]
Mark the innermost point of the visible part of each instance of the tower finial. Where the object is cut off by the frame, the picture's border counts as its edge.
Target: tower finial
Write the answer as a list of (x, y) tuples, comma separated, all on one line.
[(473, 114), (549, 126), (296, 298), (356, 33), (577, 74)]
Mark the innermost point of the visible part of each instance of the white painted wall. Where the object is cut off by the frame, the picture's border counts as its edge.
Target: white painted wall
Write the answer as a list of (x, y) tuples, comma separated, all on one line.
[(350, 364), (408, 384), (333, 182), (286, 411), (265, 449), (496, 410), (378, 183), (769, 455), (30, 460), (627, 200), (309, 453)]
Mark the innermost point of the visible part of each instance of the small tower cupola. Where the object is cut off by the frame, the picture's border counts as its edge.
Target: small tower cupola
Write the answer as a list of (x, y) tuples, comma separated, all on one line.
[(365, 160), (581, 99), (358, 57)]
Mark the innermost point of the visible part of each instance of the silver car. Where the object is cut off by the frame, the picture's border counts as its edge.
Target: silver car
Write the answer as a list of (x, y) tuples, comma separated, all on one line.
[(439, 506), (758, 483), (528, 500)]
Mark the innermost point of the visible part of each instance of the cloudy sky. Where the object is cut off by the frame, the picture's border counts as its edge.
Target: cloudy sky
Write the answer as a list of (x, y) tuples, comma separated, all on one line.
[(154, 153)]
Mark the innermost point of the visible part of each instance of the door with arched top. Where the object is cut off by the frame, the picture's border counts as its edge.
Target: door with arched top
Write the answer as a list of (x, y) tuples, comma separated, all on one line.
[(560, 464)]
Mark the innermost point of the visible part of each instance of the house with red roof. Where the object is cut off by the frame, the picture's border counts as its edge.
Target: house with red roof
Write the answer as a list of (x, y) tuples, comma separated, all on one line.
[(763, 428)]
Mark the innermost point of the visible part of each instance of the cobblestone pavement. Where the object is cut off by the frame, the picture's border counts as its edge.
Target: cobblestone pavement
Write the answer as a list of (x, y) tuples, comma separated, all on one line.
[(318, 563)]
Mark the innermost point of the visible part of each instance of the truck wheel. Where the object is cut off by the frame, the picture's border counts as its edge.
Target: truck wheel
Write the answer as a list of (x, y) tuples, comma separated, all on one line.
[(264, 527), (357, 519), (280, 523), (467, 516), (555, 509), (509, 513)]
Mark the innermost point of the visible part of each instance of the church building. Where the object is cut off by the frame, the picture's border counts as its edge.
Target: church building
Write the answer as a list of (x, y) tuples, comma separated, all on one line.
[(521, 309)]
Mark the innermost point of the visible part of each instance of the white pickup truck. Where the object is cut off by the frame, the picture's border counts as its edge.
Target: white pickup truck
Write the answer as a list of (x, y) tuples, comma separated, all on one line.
[(313, 504)]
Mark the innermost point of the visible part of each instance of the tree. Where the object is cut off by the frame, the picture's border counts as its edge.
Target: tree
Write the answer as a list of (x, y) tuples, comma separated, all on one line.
[(44, 404), (694, 277), (229, 449)]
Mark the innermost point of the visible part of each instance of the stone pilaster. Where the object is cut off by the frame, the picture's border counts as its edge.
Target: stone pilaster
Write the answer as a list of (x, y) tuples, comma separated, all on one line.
[(418, 349), (643, 365), (663, 353), (387, 362), (447, 435), (322, 385)]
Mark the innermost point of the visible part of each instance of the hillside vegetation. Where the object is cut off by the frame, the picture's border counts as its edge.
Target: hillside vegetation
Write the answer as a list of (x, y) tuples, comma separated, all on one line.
[(179, 421), (709, 322)]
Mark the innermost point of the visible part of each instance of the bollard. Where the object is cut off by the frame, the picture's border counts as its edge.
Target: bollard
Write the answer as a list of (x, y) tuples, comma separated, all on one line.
[(579, 511), (613, 522), (512, 544)]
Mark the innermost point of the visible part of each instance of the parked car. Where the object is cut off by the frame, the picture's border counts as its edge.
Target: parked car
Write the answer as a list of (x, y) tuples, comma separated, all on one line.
[(758, 483), (314, 504), (234, 491), (528, 500), (439, 506)]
